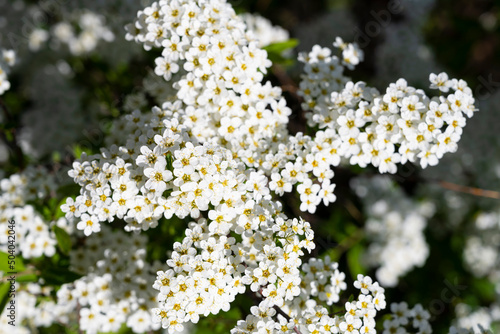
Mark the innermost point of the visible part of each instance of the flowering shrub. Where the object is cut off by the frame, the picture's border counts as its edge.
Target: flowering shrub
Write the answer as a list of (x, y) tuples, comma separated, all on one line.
[(196, 180)]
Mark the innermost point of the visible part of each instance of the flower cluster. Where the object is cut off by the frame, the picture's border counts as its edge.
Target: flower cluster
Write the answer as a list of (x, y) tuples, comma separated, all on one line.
[(178, 178), (482, 251), (417, 320), (264, 31), (395, 228), (92, 29), (117, 287), (402, 125), (322, 280), (306, 163), (478, 321), (27, 311), (208, 269), (7, 60), (128, 182), (306, 315), (222, 68), (406, 320), (214, 153), (33, 234)]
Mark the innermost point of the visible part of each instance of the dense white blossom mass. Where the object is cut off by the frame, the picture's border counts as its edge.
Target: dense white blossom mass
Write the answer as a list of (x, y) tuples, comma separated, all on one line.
[(216, 154)]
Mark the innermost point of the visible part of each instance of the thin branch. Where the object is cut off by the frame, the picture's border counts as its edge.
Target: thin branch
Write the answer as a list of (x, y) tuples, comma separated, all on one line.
[(354, 211), (287, 317), (470, 190), (78, 307), (258, 299), (23, 273), (350, 241), (287, 83)]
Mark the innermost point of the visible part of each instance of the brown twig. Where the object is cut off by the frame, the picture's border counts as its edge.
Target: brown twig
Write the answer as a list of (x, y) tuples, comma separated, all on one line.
[(78, 307), (350, 241), (354, 211), (287, 83), (258, 299), (469, 190), (23, 273), (286, 316)]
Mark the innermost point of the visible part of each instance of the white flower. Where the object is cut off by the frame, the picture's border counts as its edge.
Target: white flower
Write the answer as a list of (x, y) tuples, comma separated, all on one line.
[(158, 176), (88, 224)]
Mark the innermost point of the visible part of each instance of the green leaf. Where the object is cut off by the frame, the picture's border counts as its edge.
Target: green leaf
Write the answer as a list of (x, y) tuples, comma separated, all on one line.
[(68, 190), (58, 213), (5, 266), (354, 261), (280, 47), (275, 51), (280, 60), (78, 150), (4, 295), (46, 213), (56, 156), (63, 239), (27, 278)]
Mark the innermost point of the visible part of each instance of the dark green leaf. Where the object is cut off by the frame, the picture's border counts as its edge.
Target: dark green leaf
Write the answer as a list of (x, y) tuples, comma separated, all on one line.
[(280, 47), (58, 276), (63, 239), (4, 295), (354, 261), (5, 266)]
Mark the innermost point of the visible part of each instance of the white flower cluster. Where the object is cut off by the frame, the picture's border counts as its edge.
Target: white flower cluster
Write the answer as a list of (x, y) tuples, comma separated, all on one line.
[(91, 30), (482, 249), (27, 186), (263, 29), (115, 290), (27, 311), (324, 75), (128, 182), (80, 27), (32, 234), (7, 60), (174, 177), (307, 316), (406, 320), (208, 269), (402, 125), (416, 320), (476, 329), (222, 68), (395, 228), (214, 154), (116, 287), (321, 279), (306, 163), (478, 321)]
